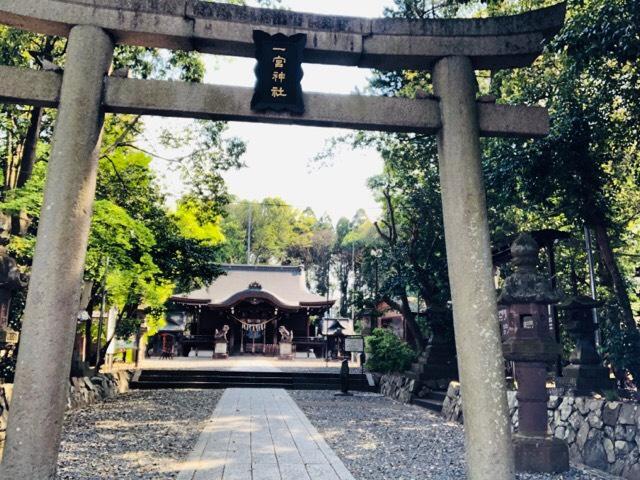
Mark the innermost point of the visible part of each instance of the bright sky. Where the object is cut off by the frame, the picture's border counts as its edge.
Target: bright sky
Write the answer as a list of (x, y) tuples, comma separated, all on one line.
[(288, 171)]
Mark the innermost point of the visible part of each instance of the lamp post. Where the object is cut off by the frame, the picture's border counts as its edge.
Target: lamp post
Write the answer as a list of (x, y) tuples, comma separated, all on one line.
[(528, 343)]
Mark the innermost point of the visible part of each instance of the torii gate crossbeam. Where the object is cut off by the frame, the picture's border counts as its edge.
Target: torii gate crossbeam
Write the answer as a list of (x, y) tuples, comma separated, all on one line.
[(451, 48)]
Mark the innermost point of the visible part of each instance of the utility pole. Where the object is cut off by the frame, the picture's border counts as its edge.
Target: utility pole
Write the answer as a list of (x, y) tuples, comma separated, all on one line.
[(101, 318), (353, 286), (249, 227), (592, 279)]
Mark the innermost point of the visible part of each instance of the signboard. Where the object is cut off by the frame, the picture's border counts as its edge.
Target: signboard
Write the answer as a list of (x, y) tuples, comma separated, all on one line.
[(354, 343), (278, 72)]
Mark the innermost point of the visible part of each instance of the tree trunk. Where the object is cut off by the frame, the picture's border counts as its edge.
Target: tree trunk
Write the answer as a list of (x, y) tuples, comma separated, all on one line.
[(409, 318), (343, 278), (412, 325), (619, 287), (103, 352), (25, 167), (30, 147)]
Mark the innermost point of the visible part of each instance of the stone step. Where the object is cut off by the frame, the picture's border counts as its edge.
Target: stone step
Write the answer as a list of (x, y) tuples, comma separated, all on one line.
[(430, 404), (151, 379), (438, 395)]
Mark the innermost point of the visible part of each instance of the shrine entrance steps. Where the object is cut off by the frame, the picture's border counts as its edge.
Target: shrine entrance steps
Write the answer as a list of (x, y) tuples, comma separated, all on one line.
[(154, 379), (434, 400)]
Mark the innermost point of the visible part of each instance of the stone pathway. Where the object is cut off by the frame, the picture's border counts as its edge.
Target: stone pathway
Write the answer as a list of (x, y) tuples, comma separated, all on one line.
[(261, 434)]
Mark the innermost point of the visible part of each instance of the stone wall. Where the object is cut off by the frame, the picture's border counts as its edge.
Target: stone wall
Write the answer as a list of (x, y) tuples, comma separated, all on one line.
[(396, 386), (83, 391), (404, 388), (601, 434)]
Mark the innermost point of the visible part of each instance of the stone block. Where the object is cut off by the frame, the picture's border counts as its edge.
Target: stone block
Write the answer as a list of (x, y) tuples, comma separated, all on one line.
[(622, 447), (559, 433), (566, 408), (575, 453), (617, 467), (594, 454), (631, 471), (627, 414), (581, 405), (453, 390), (556, 417), (595, 404), (610, 413), (582, 435), (536, 454), (575, 420), (609, 450), (630, 432), (595, 420)]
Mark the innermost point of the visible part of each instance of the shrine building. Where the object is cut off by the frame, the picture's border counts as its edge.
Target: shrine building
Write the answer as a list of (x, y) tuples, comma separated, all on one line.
[(254, 301)]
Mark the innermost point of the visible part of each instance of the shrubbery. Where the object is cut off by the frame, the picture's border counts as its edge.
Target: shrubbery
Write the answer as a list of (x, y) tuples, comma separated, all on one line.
[(620, 345), (387, 353)]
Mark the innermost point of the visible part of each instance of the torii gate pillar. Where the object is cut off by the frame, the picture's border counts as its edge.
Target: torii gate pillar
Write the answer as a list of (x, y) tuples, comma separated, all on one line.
[(40, 390), (486, 419)]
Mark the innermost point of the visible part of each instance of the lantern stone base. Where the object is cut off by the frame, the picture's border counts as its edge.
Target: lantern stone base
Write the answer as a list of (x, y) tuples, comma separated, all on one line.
[(540, 454), (286, 351), (221, 350), (585, 379)]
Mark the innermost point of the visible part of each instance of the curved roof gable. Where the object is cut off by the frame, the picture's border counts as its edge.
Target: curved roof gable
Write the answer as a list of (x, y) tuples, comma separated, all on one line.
[(282, 285)]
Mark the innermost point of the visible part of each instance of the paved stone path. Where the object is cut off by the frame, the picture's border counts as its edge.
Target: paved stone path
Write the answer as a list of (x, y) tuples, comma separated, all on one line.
[(261, 434)]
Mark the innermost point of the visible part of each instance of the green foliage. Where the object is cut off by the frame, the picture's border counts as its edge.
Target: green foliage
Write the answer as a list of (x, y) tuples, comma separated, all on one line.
[(190, 221), (280, 234), (587, 170), (209, 154), (150, 251), (620, 345), (387, 353)]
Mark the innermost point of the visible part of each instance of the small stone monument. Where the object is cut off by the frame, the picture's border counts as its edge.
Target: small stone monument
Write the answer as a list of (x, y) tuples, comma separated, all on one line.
[(344, 380), (286, 344), (585, 373), (221, 348), (528, 343)]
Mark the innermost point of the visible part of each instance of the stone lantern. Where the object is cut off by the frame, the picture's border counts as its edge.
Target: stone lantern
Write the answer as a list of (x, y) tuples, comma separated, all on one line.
[(529, 344), (9, 282), (585, 373)]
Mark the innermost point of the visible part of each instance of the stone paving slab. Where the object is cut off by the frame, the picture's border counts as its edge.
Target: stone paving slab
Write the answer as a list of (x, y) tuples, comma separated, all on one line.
[(261, 434)]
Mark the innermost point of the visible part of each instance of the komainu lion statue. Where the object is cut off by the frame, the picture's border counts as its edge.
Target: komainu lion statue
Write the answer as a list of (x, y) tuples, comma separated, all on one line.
[(221, 336), (285, 335)]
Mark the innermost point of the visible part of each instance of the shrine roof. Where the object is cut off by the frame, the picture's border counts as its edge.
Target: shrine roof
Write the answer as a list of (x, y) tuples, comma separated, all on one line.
[(284, 286)]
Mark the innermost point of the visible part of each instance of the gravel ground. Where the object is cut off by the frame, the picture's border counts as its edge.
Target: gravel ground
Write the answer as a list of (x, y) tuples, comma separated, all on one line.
[(379, 439), (138, 435)]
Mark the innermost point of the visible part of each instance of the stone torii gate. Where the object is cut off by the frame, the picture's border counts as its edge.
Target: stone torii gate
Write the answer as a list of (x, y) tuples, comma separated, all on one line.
[(452, 49)]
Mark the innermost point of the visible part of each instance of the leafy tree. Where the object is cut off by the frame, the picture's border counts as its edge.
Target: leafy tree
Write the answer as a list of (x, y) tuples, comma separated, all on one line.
[(586, 171)]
